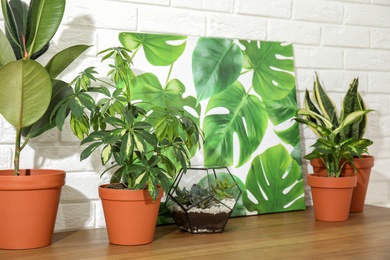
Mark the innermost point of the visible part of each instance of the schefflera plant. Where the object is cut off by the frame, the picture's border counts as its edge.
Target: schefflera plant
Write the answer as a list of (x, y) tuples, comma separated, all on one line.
[(143, 142), (340, 137), (29, 91)]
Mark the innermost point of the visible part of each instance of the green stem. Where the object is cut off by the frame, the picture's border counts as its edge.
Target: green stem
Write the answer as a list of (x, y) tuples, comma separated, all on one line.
[(17, 151), (169, 74)]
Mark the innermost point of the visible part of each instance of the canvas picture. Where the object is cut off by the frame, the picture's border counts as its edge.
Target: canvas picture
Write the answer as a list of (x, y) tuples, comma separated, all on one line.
[(242, 94)]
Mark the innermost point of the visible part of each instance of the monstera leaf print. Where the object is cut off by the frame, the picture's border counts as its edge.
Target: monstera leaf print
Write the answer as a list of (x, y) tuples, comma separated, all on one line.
[(160, 50), (147, 88), (275, 183), (246, 117), (282, 111), (216, 64), (272, 67)]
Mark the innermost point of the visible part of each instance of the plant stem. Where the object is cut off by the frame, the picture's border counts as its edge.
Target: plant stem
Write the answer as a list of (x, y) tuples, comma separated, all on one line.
[(17, 151)]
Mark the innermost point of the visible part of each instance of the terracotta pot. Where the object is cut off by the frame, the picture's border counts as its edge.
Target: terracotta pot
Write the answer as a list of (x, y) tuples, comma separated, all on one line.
[(29, 207), (331, 196), (130, 215), (364, 166)]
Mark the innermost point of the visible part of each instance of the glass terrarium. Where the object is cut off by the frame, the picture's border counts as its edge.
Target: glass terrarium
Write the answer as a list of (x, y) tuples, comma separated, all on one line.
[(202, 199)]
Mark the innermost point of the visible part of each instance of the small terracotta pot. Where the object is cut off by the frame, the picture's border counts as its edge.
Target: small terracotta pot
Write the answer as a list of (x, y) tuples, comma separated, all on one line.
[(28, 207), (331, 196), (130, 215), (364, 166)]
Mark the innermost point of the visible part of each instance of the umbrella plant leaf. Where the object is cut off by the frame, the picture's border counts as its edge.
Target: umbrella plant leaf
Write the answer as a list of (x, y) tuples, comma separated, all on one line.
[(216, 64), (246, 117), (160, 49), (25, 88), (274, 183), (272, 66)]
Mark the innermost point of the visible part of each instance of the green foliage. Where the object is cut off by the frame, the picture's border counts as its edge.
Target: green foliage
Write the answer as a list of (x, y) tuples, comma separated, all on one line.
[(145, 138), (204, 197), (339, 137), (28, 90), (275, 181), (216, 64), (247, 117)]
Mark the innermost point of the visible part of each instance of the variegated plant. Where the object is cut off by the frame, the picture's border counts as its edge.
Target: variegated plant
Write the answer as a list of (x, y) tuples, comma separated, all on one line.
[(141, 126), (340, 137)]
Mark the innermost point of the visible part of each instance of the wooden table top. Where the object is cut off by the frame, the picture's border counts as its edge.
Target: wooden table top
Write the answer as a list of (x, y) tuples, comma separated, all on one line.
[(291, 235)]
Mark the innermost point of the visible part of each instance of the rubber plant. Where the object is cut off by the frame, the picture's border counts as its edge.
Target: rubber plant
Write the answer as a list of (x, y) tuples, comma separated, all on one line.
[(340, 137), (143, 138), (29, 91)]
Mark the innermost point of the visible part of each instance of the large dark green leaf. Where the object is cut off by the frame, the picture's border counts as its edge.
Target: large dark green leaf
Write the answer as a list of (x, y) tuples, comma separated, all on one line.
[(44, 19), (160, 49), (63, 59), (246, 117), (274, 183), (60, 90), (216, 64), (25, 88), (147, 87), (6, 53), (15, 19), (272, 67)]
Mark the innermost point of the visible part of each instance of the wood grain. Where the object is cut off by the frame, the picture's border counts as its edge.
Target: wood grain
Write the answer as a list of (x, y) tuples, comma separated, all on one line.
[(290, 235)]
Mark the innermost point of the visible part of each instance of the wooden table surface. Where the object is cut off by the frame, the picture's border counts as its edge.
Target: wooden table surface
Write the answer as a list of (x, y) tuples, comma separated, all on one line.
[(291, 235)]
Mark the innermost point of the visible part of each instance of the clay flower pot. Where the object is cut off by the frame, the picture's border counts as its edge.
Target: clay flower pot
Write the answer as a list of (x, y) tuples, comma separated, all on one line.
[(364, 166), (130, 215), (29, 207), (331, 196)]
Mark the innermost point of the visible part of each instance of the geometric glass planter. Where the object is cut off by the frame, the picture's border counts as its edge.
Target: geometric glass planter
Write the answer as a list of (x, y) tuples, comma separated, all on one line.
[(202, 199)]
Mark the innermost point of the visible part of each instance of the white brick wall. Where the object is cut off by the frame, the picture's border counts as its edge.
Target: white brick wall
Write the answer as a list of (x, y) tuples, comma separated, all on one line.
[(339, 39)]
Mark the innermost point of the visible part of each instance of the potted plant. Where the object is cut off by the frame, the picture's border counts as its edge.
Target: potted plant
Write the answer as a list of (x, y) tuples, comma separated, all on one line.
[(204, 207), (335, 148), (29, 197), (143, 140)]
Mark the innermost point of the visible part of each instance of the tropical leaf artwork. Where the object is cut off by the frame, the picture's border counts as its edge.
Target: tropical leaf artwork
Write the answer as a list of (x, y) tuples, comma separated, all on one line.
[(242, 94)]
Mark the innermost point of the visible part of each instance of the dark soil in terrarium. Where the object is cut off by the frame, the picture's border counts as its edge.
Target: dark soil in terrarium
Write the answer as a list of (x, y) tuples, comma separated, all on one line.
[(198, 222)]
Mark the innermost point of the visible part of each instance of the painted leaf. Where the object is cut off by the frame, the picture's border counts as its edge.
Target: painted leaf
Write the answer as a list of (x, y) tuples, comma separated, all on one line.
[(272, 66), (274, 182), (216, 64), (282, 111), (160, 49), (147, 87), (25, 88), (246, 117)]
